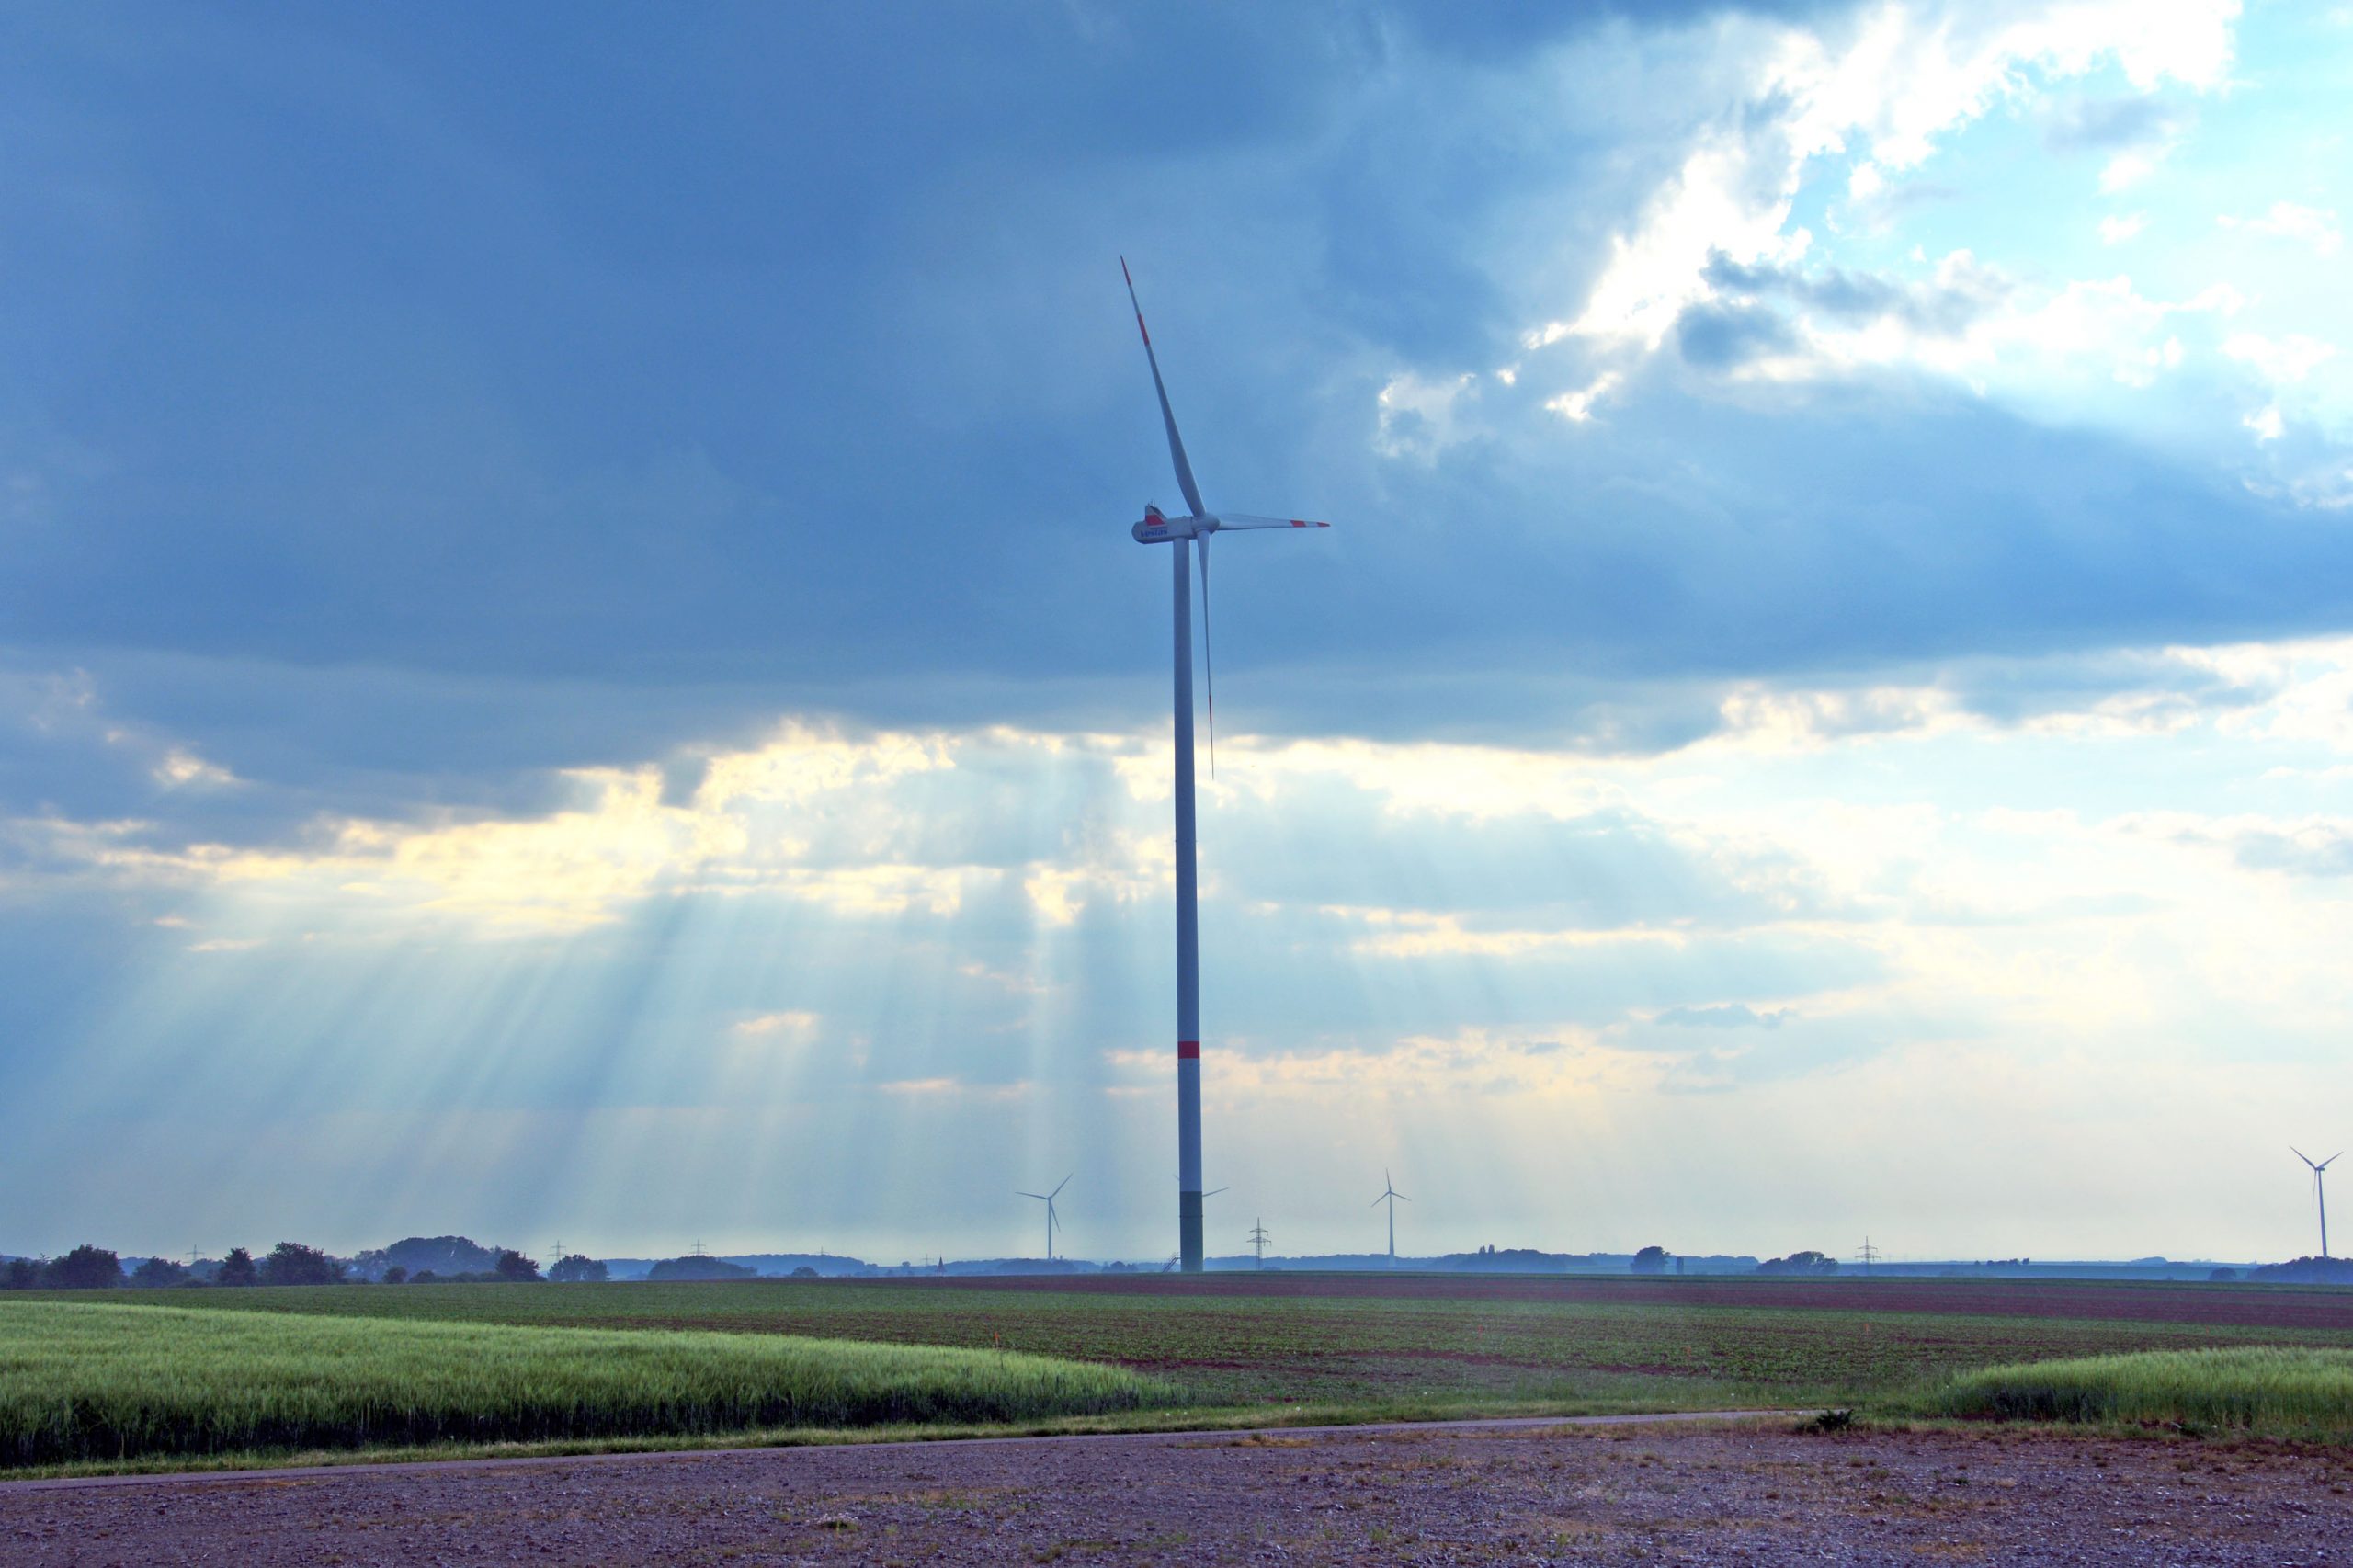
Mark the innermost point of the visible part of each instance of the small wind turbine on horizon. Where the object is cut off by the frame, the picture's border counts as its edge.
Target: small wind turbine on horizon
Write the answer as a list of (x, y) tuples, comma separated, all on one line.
[(2320, 1193), (1184, 533), (1053, 1220), (1391, 1196)]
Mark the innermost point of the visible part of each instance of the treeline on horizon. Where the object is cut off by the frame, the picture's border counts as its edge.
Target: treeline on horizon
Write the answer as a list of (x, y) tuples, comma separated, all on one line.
[(414, 1260), (89, 1268), (419, 1260)]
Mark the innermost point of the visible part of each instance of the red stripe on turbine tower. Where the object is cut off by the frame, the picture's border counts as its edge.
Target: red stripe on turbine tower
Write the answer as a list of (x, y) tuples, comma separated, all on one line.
[(1188, 1050)]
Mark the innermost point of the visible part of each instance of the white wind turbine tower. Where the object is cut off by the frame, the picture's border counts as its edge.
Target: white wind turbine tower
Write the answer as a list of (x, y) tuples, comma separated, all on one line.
[(2320, 1193), (1053, 1221), (1391, 1196), (1183, 533)]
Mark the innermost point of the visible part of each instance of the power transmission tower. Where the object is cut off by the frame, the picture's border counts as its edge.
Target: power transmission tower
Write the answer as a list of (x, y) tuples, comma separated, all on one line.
[(1870, 1254), (1258, 1240)]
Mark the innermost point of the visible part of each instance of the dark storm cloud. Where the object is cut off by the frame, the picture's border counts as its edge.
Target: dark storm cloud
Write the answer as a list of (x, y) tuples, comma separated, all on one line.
[(2105, 125), (408, 439), (1947, 305), (1718, 336)]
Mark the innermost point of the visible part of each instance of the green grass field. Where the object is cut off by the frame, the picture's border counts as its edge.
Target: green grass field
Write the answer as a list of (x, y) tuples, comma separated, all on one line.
[(1334, 1349), (82, 1381), (2276, 1391), (1401, 1355)]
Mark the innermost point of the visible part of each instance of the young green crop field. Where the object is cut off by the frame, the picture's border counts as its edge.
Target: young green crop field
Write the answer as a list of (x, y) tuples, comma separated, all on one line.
[(2288, 1391), (1348, 1346), (83, 1382)]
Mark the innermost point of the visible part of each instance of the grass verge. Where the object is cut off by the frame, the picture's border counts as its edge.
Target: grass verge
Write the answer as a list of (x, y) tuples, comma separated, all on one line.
[(107, 1383), (1252, 1421), (2282, 1391)]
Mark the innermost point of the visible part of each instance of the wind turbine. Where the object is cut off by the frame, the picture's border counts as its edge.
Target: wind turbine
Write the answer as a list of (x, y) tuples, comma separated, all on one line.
[(1183, 532), (1391, 1196), (1052, 1219), (2320, 1193)]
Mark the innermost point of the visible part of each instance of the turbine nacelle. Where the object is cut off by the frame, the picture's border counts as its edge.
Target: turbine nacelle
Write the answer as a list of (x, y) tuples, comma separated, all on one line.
[(1159, 528)]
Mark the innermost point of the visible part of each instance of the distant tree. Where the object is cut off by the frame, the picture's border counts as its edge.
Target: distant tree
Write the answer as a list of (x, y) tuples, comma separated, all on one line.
[(159, 1271), (291, 1263), (672, 1268), (1651, 1260), (574, 1268), (515, 1268), (21, 1274), (804, 1272), (444, 1255), (237, 1268), (2221, 1276), (395, 1275), (1800, 1263), (2306, 1271), (87, 1267)]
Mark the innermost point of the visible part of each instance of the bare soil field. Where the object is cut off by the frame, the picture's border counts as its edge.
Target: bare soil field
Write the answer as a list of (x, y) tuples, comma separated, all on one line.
[(1751, 1493), (2265, 1306), (1423, 1345)]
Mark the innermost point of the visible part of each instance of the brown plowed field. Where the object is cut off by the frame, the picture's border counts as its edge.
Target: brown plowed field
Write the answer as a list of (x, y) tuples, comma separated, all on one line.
[(1756, 1494), (2261, 1306)]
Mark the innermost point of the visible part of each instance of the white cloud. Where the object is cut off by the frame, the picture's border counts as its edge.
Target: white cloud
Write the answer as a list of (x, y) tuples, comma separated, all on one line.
[(2286, 221), (180, 766), (2126, 170), (794, 1027), (2279, 361), (1419, 418), (2124, 226), (1906, 77), (1577, 406), (2265, 423)]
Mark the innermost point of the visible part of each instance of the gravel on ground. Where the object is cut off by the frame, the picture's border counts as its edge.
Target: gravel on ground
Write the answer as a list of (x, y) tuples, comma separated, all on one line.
[(1746, 1493)]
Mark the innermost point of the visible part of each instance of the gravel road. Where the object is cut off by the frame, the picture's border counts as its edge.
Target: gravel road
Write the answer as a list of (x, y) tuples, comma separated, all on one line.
[(1724, 1492)]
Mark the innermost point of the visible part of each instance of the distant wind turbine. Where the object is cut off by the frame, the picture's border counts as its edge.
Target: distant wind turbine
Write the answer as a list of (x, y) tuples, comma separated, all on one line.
[(1391, 1196), (2320, 1193), (1053, 1220), (1196, 527)]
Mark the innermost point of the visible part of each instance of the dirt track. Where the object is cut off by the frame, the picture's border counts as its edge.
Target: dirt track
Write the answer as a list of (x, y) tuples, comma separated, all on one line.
[(1747, 1494)]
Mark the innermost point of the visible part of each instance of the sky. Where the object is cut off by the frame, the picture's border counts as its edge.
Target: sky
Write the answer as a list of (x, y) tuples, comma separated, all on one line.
[(572, 665)]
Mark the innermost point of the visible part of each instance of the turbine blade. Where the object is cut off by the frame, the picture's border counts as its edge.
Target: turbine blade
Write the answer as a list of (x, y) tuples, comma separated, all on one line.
[(1060, 1184), (1244, 520), (1209, 664), (1167, 416)]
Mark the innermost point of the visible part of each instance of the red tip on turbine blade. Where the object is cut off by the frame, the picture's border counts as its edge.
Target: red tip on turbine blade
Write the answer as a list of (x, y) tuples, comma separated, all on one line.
[(1126, 277)]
